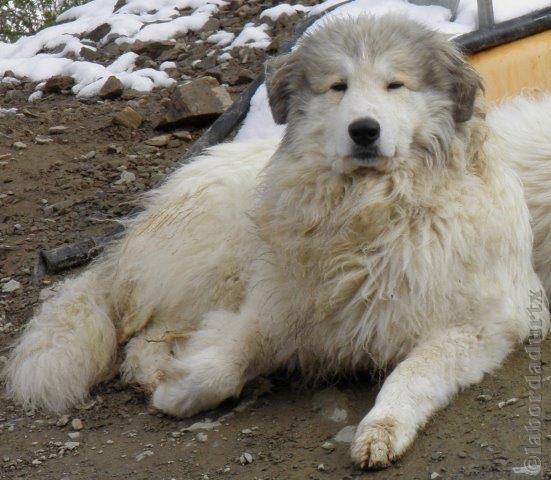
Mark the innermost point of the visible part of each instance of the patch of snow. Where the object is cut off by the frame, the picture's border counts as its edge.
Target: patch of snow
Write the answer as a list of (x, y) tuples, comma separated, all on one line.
[(166, 65), (252, 36), (225, 57), (10, 81), (283, 8), (4, 112), (33, 97), (259, 123), (221, 38)]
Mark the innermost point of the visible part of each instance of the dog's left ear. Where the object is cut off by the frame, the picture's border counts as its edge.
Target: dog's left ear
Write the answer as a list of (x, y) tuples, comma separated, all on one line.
[(279, 75), (464, 82)]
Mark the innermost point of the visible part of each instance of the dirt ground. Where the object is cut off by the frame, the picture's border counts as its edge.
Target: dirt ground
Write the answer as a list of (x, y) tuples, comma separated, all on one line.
[(70, 188)]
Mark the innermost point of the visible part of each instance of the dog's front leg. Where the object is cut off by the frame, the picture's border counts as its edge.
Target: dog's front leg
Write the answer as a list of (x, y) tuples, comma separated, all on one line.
[(422, 383)]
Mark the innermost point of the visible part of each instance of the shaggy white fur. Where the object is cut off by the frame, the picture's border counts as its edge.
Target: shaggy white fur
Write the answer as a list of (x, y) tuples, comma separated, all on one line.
[(415, 254)]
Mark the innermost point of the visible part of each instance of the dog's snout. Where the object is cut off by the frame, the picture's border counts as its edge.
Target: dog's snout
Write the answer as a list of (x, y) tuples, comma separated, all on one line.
[(365, 131)]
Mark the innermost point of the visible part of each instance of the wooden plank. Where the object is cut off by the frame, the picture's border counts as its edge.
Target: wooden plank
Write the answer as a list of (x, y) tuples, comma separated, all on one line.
[(515, 67)]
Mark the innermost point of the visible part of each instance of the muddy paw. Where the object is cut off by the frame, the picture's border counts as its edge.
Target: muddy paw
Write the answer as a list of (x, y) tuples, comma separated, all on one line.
[(373, 446)]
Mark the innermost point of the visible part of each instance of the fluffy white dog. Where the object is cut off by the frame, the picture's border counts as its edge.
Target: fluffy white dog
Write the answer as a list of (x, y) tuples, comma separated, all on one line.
[(388, 230)]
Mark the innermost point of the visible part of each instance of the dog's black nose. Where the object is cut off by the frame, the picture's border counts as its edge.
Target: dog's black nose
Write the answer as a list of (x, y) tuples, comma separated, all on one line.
[(364, 131)]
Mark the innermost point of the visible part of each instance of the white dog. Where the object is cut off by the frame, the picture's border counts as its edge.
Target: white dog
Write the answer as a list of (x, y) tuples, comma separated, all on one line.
[(387, 230)]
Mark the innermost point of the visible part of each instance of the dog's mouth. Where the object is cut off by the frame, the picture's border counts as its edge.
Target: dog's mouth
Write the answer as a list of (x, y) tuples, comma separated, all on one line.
[(366, 155)]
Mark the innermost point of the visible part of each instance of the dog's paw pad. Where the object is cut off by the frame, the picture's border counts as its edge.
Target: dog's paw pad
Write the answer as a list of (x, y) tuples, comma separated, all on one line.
[(373, 447)]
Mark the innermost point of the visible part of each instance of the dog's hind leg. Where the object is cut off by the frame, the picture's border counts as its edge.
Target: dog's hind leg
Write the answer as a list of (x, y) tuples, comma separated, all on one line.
[(213, 365), (423, 383), (147, 355)]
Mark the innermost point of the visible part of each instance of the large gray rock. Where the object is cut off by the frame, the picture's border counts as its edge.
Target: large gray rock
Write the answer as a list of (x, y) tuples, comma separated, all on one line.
[(196, 103)]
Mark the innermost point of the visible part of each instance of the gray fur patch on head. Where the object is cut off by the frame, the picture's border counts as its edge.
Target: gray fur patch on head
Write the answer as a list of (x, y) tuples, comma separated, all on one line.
[(327, 48)]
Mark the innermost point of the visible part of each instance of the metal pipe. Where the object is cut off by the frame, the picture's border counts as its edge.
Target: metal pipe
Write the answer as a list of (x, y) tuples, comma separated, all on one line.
[(485, 14)]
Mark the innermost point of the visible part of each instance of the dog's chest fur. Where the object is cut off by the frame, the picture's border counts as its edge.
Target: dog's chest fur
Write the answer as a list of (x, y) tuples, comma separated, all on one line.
[(365, 266)]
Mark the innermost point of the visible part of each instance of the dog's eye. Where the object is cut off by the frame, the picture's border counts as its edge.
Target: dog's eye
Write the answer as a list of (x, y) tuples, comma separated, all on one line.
[(394, 85), (339, 87)]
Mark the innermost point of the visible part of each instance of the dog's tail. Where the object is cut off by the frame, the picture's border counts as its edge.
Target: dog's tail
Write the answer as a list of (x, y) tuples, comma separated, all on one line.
[(67, 347)]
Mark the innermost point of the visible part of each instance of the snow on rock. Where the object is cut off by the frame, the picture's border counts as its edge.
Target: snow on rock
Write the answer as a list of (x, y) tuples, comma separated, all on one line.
[(259, 123), (283, 8), (4, 112), (221, 38), (166, 65), (52, 50), (252, 36), (33, 97)]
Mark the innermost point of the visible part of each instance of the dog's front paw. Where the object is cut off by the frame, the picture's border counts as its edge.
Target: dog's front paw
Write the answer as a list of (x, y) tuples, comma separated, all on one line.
[(374, 444)]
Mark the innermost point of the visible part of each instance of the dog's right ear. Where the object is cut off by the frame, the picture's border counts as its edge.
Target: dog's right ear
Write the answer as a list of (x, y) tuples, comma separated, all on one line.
[(279, 75)]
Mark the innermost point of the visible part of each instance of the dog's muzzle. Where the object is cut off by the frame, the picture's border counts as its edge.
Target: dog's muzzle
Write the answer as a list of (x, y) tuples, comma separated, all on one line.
[(365, 132)]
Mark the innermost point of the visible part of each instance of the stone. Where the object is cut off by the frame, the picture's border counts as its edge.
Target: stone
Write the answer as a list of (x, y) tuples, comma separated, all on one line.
[(43, 140), (126, 178), (76, 424), (245, 458), (112, 88), (58, 83), (71, 445), (206, 425), (484, 398), (159, 141), (62, 421), (505, 403), (172, 54), (74, 435), (332, 404), (151, 49), (88, 156), (111, 149), (11, 286), (346, 434), (89, 54), (202, 437), (58, 129), (328, 446), (144, 454), (196, 103), (99, 32), (19, 145), (128, 117), (183, 135)]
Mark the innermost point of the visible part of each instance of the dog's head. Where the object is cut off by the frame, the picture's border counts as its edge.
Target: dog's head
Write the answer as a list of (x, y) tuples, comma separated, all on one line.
[(371, 90)]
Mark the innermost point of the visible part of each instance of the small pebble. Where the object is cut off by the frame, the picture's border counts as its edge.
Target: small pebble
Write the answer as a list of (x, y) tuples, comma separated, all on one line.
[(328, 446), (76, 424), (511, 401), (57, 130), (245, 458)]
